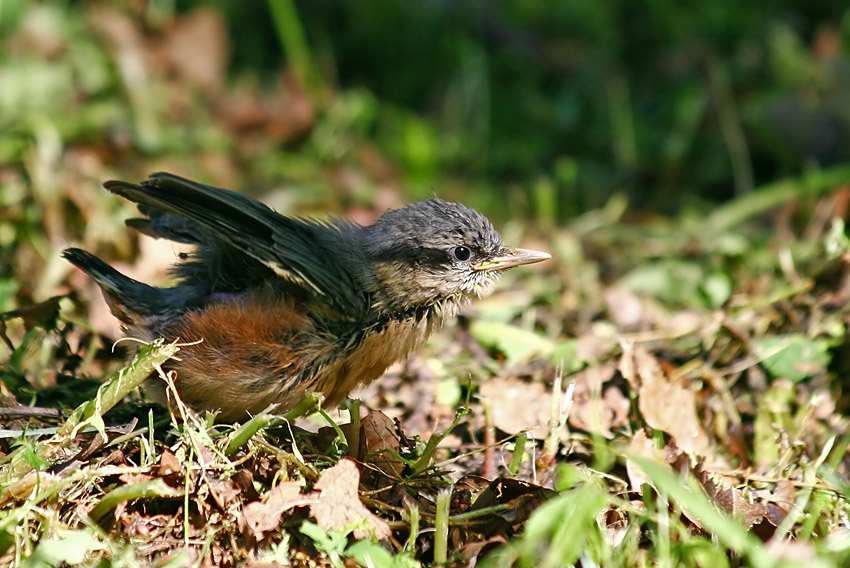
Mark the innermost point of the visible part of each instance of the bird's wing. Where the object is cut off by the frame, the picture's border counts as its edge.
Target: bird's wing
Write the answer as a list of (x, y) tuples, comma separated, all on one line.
[(158, 224), (304, 252)]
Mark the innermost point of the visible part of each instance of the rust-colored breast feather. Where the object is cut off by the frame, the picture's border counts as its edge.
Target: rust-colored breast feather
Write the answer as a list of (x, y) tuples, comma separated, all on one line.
[(251, 353), (243, 353)]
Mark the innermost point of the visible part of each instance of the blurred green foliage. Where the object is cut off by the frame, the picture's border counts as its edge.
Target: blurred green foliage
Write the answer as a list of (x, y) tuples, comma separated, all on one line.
[(671, 102), (520, 107)]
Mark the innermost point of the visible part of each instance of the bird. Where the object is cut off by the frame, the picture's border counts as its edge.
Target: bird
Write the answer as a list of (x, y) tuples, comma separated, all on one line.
[(270, 307)]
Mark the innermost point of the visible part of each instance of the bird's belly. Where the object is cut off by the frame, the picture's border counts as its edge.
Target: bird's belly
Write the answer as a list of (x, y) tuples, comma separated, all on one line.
[(242, 357), (237, 357), (372, 355)]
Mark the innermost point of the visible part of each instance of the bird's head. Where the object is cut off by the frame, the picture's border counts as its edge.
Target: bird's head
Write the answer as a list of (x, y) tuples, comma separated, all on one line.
[(436, 253)]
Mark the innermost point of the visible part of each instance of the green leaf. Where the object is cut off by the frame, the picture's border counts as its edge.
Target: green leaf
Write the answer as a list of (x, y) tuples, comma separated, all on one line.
[(671, 281), (565, 353), (155, 488), (773, 414), (792, 356), (7, 541), (689, 495), (835, 242), (331, 542), (71, 549), (716, 289), (515, 343), (558, 532), (368, 553)]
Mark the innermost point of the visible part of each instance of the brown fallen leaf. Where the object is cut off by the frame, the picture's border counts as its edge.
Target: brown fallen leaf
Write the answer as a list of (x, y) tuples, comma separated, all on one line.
[(626, 309), (478, 549), (131, 478), (729, 498), (645, 447), (518, 405), (244, 480), (284, 116), (169, 465), (780, 501), (337, 504), (196, 46), (668, 406), (378, 441), (595, 409), (259, 518), (224, 492)]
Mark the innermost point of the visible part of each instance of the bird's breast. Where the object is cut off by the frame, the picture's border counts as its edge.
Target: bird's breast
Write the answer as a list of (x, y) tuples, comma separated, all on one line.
[(243, 355), (376, 349)]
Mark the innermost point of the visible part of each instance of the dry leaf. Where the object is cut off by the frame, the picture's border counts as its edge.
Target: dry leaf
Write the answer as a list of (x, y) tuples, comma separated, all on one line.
[(197, 47), (518, 405), (377, 442), (224, 492), (668, 406), (781, 501), (642, 446), (260, 518), (625, 309), (730, 499), (593, 411), (169, 465), (338, 504), (244, 480)]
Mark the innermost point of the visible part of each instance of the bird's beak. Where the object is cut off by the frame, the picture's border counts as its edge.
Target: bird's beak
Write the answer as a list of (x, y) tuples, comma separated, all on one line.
[(511, 258)]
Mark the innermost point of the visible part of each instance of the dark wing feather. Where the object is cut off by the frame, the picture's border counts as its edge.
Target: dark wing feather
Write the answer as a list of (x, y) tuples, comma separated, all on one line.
[(160, 225), (303, 251)]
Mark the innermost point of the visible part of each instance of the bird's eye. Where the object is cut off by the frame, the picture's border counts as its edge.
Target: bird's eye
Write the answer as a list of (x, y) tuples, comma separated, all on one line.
[(461, 253)]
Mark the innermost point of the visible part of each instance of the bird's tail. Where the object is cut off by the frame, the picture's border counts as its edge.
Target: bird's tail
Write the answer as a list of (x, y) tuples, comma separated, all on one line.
[(132, 302)]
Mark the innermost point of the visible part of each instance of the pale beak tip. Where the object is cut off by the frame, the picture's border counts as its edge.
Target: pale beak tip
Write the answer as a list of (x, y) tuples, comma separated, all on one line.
[(529, 256), (513, 257)]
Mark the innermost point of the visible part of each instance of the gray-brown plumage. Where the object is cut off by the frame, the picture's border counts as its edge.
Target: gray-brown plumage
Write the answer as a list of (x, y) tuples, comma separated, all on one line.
[(281, 305)]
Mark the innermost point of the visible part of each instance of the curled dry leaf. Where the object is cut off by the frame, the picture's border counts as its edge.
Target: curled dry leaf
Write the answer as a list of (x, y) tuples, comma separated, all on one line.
[(379, 444), (729, 498)]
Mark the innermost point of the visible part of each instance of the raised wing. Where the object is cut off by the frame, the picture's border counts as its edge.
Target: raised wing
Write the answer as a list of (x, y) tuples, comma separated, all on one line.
[(321, 257)]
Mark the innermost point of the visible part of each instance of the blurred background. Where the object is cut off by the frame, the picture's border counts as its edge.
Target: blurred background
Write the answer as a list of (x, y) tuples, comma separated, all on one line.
[(535, 112), (526, 107)]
